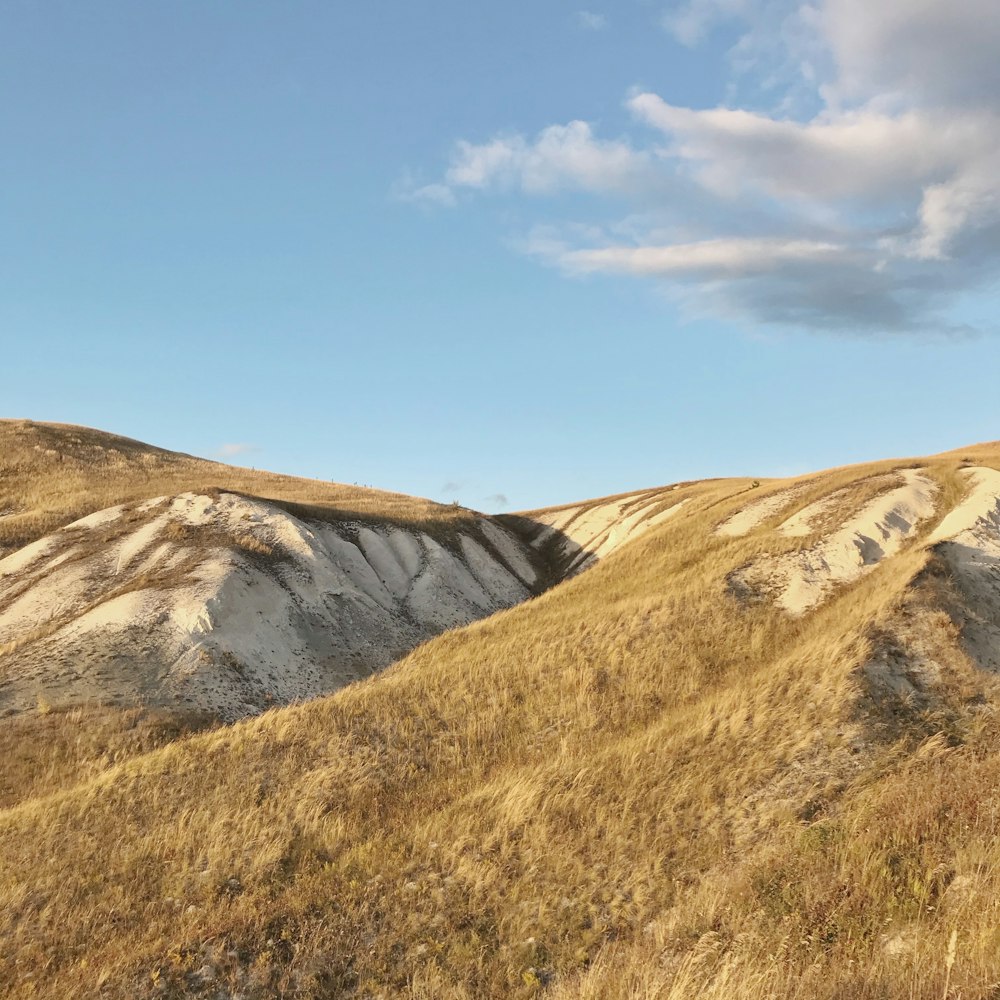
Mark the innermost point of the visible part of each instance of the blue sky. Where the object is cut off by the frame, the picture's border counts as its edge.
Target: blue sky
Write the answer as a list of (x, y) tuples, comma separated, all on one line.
[(508, 254)]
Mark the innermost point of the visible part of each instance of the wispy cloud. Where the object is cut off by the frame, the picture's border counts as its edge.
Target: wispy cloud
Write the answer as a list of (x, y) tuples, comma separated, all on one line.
[(590, 21), (233, 450), (874, 210), (690, 22), (558, 158), (738, 258), (435, 194), (495, 500), (451, 486)]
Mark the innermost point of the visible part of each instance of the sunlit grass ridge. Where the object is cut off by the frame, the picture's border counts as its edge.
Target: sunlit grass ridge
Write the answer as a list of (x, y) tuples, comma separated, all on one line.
[(52, 474)]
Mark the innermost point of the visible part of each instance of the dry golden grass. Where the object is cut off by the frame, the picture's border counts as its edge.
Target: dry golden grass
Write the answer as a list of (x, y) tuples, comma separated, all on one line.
[(52, 474), (255, 546), (629, 787), (59, 748)]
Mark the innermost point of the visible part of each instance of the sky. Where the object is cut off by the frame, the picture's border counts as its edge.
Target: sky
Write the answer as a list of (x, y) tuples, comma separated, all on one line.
[(506, 254)]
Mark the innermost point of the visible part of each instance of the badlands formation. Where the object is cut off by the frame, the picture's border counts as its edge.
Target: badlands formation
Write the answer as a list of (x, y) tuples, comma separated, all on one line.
[(227, 603), (728, 738)]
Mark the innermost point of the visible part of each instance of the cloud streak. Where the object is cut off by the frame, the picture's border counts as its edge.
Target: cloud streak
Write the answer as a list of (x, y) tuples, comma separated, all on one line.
[(590, 21), (876, 211), (560, 157), (233, 450)]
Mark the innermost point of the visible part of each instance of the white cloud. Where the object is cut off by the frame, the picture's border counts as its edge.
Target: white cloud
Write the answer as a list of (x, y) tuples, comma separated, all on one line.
[(591, 21), (233, 450), (942, 169), (969, 200), (408, 188), (438, 194), (859, 154), (560, 156), (872, 210), (729, 257), (930, 52)]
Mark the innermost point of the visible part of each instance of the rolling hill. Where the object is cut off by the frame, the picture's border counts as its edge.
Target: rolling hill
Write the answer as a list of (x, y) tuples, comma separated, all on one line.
[(212, 599), (736, 739)]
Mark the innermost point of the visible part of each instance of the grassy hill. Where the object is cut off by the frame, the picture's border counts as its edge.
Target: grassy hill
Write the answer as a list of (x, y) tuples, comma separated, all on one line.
[(241, 591), (650, 781), (53, 474)]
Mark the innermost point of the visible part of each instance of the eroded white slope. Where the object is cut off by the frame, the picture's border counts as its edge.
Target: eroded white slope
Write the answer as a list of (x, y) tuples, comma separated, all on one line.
[(969, 540), (805, 521), (799, 581), (582, 534), (755, 513), (229, 604)]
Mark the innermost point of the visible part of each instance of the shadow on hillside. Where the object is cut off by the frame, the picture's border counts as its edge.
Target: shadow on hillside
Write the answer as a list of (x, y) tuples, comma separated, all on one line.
[(557, 554), (975, 576)]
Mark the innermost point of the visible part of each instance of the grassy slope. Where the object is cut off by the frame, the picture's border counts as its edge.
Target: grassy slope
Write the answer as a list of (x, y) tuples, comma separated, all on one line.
[(630, 786), (53, 749), (52, 474)]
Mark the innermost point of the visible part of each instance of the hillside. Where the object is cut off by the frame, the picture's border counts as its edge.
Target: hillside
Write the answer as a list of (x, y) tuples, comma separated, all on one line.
[(213, 600), (53, 474), (752, 751), (178, 588)]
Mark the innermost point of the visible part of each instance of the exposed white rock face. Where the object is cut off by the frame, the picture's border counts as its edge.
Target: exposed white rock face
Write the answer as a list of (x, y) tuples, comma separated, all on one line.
[(229, 604), (969, 540), (801, 580), (756, 512), (583, 534)]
